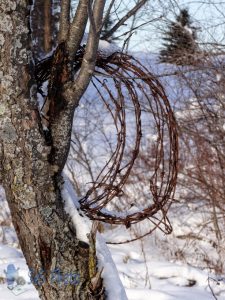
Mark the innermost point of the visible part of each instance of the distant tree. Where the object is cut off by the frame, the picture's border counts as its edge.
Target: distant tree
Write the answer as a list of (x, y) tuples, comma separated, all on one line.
[(180, 41)]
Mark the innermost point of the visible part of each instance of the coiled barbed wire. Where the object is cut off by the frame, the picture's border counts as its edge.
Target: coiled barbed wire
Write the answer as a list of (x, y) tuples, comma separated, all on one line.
[(132, 82)]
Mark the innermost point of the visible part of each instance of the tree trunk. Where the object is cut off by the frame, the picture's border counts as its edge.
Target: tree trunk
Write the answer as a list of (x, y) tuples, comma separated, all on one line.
[(32, 184)]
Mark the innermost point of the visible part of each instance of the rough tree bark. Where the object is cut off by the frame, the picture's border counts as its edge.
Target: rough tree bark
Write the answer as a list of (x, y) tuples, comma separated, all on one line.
[(32, 181)]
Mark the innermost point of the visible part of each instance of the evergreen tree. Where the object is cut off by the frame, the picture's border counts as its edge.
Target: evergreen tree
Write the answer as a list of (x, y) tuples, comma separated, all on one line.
[(180, 41), (106, 27)]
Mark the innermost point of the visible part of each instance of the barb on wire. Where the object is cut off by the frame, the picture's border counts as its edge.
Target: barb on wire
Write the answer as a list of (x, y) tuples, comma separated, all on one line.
[(113, 177), (133, 93)]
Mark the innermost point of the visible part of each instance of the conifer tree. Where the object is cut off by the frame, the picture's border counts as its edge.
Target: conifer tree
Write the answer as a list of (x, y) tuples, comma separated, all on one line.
[(180, 41), (106, 27)]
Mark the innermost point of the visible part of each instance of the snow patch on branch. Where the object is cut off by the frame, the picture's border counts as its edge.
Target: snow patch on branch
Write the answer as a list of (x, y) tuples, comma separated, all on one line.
[(105, 48)]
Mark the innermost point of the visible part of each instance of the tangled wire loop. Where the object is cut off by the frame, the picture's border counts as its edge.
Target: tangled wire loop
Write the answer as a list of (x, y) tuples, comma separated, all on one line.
[(135, 86)]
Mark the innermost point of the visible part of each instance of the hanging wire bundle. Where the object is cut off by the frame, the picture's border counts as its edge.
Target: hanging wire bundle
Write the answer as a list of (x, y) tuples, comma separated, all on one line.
[(131, 85), (130, 78)]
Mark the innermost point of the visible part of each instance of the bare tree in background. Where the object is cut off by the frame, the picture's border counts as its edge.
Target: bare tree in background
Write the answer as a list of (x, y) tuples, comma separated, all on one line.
[(204, 128), (201, 118)]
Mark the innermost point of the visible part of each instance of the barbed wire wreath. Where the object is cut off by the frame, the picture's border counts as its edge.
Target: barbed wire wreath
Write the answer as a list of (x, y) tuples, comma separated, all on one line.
[(130, 80)]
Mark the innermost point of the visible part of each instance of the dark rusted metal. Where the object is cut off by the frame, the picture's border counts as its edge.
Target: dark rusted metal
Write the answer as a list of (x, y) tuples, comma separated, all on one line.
[(136, 87)]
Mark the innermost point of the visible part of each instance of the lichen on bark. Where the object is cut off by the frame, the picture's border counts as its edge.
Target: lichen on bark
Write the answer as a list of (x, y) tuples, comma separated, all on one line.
[(46, 233)]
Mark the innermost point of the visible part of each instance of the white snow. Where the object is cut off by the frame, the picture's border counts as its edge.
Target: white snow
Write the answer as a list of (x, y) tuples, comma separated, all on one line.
[(104, 47), (107, 48), (189, 30), (149, 276), (218, 77), (81, 223), (112, 282)]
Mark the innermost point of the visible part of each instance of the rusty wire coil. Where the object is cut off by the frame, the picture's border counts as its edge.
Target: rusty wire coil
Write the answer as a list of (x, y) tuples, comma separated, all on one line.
[(133, 89), (131, 79)]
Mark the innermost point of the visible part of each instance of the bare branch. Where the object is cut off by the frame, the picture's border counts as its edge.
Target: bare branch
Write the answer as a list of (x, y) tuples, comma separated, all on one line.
[(88, 63), (91, 17), (62, 125), (47, 25), (124, 19), (64, 22), (108, 12), (137, 27), (77, 27), (213, 294)]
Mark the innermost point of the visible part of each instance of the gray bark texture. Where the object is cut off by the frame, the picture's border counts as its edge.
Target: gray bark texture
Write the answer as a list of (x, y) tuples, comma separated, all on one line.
[(31, 180)]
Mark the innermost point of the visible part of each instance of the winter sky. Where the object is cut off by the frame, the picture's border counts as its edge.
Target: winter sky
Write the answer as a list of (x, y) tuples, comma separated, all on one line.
[(207, 15)]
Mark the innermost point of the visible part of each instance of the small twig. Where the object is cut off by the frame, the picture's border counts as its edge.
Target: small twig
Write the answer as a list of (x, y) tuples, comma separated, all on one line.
[(124, 19), (137, 27), (213, 294), (64, 21), (107, 13), (91, 17)]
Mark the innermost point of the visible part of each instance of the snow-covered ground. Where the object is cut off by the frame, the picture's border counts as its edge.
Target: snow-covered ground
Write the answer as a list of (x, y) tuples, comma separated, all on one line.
[(148, 268), (144, 276)]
